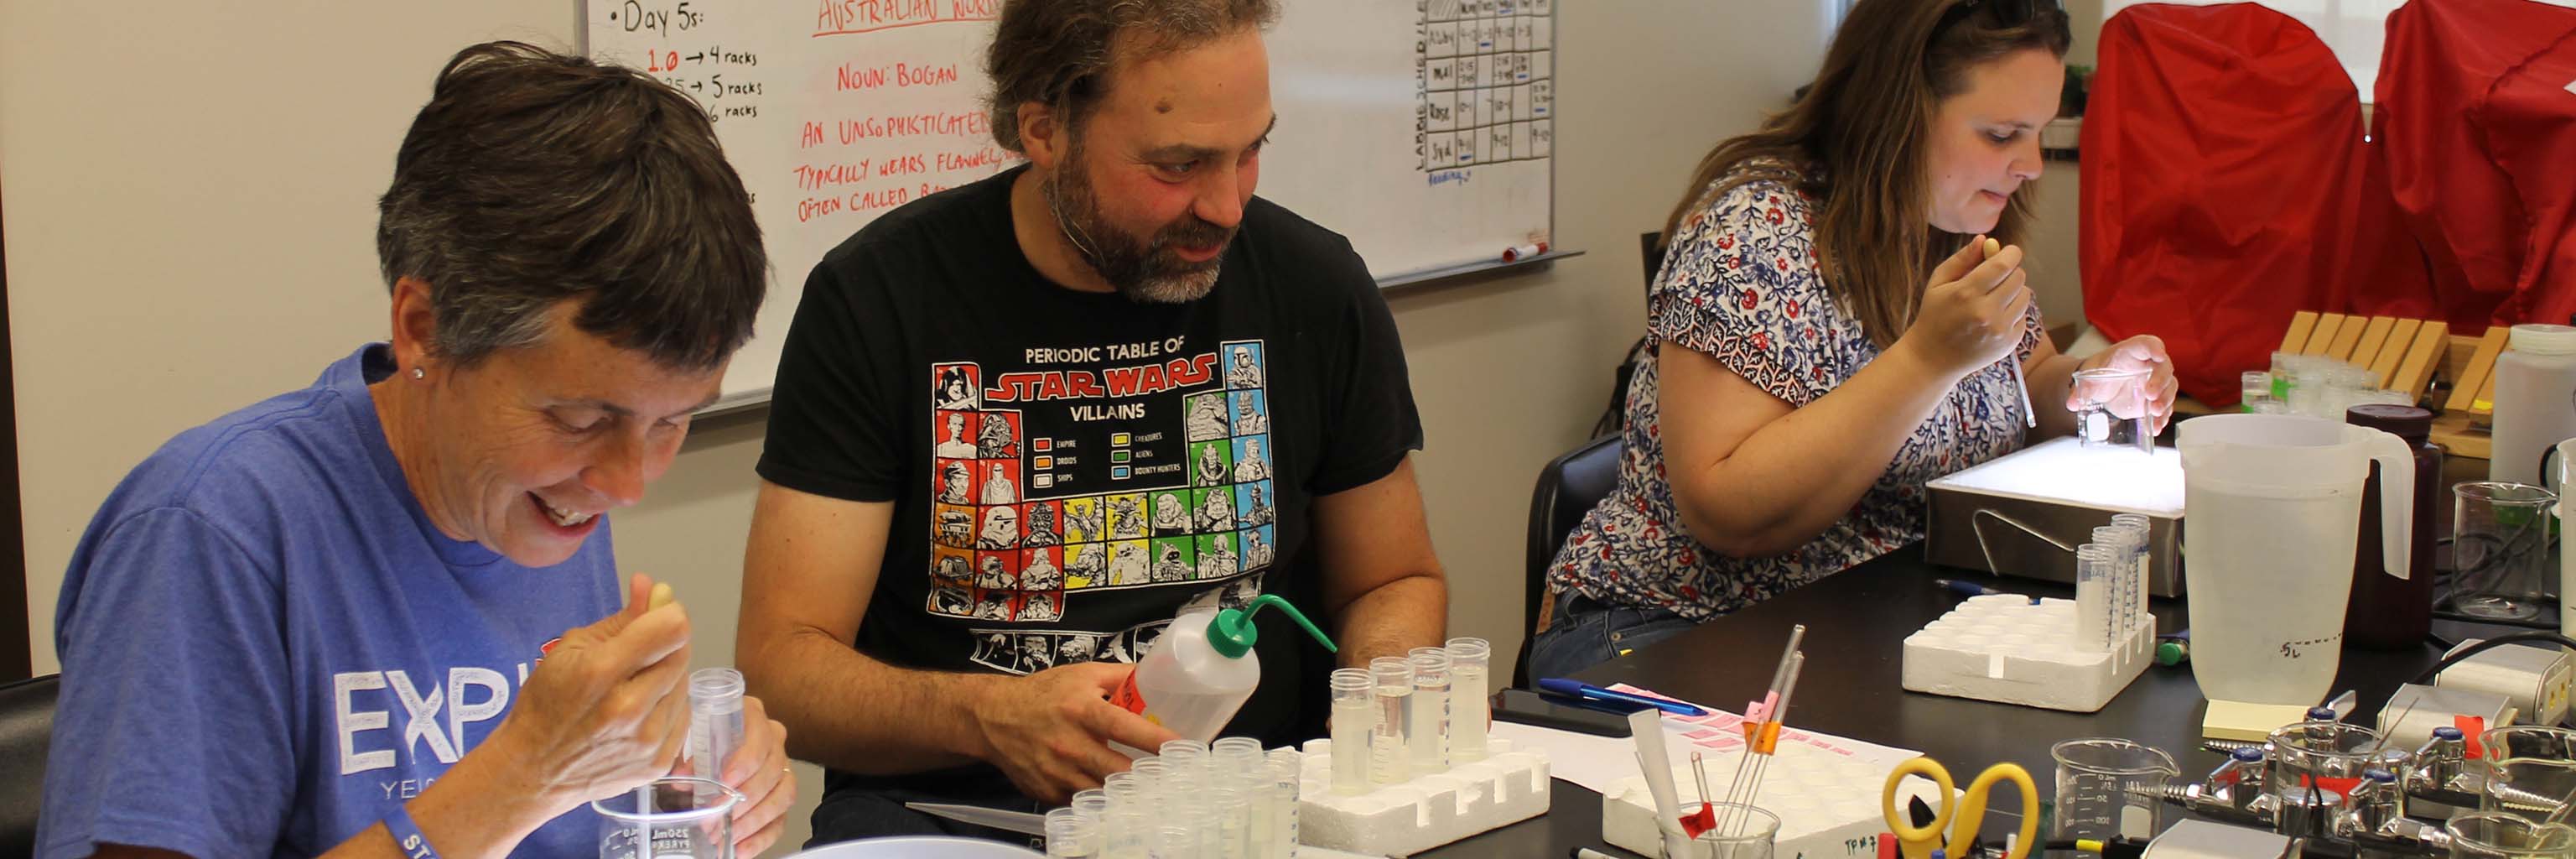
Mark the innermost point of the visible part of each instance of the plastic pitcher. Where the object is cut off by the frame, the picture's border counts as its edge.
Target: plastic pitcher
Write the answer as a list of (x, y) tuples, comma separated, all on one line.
[(2272, 503)]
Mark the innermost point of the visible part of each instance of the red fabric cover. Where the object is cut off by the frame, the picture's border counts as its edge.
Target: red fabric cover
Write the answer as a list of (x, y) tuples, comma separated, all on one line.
[(2226, 186), (2474, 118)]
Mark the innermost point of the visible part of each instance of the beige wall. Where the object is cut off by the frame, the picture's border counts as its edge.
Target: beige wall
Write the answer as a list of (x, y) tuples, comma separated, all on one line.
[(180, 185)]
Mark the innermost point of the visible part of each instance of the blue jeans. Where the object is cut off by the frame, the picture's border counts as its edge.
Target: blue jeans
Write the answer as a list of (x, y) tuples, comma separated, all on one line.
[(1583, 633)]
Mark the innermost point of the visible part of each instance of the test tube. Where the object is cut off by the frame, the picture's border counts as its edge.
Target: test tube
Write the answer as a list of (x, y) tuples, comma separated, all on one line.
[(2254, 388), (1121, 788), (1354, 722), (1187, 760), (1150, 773), (1093, 803), (1233, 815), (2092, 597), (1287, 775), (1071, 835), (1469, 711), (1125, 833), (1241, 764), (1428, 732), (1175, 841), (2139, 529), (2123, 577), (1394, 690), (715, 719)]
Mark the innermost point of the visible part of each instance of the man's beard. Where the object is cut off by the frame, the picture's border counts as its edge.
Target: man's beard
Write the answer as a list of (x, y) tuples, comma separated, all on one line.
[(1144, 270)]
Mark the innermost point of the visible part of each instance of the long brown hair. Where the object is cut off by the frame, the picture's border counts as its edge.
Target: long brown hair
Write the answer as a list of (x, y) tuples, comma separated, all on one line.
[(1856, 142)]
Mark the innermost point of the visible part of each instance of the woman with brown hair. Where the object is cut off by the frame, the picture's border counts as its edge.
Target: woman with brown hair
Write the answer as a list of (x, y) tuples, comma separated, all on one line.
[(1831, 328)]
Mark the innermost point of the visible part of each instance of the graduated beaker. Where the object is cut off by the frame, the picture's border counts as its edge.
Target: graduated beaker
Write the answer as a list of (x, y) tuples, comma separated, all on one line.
[(2109, 787), (671, 818), (2496, 835), (2100, 395), (2500, 550), (2529, 769)]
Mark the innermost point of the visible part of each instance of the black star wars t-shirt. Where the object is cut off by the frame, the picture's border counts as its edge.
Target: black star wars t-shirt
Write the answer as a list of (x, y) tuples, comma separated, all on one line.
[(1070, 469)]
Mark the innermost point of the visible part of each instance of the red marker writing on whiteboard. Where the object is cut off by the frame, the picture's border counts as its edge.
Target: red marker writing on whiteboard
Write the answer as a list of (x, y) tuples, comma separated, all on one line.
[(1522, 252)]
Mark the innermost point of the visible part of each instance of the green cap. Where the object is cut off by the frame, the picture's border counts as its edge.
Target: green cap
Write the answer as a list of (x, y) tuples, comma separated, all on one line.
[(2171, 653), (1232, 632)]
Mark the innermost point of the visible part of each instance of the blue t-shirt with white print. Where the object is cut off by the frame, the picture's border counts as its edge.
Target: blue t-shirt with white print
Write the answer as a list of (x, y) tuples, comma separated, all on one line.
[(266, 645)]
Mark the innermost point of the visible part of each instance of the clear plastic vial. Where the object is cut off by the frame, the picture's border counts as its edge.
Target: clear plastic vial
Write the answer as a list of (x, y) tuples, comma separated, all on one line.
[(1287, 774), (1233, 818), (715, 719), (1354, 721), (1072, 835), (2093, 587), (2123, 577), (1427, 735), (1394, 692), (1470, 713), (2139, 529)]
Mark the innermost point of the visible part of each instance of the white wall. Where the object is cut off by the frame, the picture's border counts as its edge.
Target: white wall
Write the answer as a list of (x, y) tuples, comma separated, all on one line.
[(181, 183)]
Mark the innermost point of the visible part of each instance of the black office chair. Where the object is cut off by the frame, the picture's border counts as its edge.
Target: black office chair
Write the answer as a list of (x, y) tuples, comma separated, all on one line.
[(1567, 488), (26, 730)]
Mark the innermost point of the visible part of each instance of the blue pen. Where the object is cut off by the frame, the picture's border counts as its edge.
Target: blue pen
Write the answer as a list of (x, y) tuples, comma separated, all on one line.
[(1579, 689), (1971, 589)]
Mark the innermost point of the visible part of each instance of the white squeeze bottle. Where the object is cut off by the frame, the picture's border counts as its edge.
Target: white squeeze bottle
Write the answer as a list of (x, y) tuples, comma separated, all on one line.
[(1203, 669)]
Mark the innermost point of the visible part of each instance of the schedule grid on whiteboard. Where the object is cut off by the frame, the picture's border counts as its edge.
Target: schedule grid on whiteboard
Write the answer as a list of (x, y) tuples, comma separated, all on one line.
[(1422, 131)]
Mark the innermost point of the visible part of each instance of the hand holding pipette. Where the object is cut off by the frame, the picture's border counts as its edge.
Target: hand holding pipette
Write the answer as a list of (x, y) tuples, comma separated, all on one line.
[(1973, 313)]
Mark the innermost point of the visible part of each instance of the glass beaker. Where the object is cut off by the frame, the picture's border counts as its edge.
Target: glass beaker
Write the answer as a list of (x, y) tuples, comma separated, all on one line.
[(2497, 835), (1742, 832), (2530, 769), (671, 818), (2500, 550), (2102, 391), (2313, 766), (2109, 787)]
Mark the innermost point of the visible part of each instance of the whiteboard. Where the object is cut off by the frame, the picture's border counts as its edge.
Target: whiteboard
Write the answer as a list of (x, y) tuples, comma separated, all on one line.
[(1423, 131)]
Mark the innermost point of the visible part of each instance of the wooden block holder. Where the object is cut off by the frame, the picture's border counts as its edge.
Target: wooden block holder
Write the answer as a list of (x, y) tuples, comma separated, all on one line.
[(2407, 355)]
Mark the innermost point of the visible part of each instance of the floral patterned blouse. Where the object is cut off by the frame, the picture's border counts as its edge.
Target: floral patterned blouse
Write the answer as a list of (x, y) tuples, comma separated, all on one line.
[(1740, 285)]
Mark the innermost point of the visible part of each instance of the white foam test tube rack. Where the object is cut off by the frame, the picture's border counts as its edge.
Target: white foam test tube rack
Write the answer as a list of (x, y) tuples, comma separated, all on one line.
[(1425, 811), (2001, 647)]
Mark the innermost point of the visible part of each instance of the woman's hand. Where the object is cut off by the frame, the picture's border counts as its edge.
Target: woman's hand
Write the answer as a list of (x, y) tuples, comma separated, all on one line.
[(2153, 400), (1972, 310)]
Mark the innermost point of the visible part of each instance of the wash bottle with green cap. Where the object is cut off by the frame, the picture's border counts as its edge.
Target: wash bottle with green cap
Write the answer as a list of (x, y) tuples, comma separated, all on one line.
[(1203, 669)]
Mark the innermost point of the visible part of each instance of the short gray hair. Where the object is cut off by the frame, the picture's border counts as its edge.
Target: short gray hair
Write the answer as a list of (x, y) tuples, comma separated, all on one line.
[(533, 177)]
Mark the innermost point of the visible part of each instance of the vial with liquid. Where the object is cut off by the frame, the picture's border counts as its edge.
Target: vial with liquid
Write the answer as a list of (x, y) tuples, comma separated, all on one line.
[(2093, 597), (1354, 721), (715, 720), (1469, 709), (1394, 692), (1287, 767), (1427, 732)]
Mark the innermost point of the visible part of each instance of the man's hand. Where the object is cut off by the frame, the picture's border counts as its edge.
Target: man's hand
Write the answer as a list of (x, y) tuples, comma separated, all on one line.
[(759, 771), (1050, 731)]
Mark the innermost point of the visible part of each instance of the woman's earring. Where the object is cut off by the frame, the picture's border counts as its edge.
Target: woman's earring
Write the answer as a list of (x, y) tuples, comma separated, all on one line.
[(418, 373)]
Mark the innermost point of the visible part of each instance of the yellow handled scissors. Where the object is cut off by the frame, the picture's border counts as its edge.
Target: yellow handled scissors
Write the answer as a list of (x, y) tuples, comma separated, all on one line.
[(1968, 812)]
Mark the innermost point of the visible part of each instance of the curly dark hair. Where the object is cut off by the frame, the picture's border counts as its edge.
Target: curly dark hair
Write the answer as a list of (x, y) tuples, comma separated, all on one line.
[(1056, 52)]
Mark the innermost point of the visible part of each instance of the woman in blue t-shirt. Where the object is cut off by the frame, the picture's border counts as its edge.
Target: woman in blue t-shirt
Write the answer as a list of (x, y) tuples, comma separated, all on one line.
[(1830, 329), (378, 616)]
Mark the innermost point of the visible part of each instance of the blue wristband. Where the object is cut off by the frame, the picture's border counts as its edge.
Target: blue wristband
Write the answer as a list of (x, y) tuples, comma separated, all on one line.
[(407, 835)]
